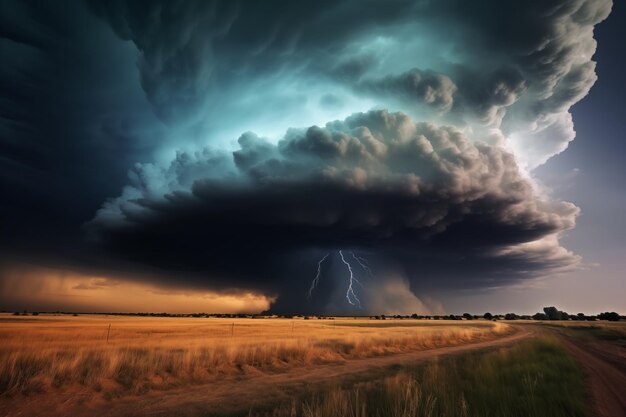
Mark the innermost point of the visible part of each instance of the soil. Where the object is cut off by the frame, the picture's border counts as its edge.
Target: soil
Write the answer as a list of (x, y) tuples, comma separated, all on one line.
[(605, 367)]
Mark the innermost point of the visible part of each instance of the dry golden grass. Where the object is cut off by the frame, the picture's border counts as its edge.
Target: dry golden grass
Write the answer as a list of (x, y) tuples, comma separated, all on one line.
[(58, 352)]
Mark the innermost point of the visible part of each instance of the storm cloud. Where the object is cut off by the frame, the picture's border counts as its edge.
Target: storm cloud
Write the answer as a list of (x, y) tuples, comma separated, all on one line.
[(260, 136), (375, 182), (513, 66)]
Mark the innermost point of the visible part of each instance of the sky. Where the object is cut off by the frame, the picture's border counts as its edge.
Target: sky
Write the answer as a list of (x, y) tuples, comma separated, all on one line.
[(332, 157)]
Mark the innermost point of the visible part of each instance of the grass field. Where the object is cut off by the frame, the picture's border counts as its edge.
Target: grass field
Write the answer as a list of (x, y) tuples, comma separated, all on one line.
[(602, 331), (536, 378), (57, 365), (48, 353)]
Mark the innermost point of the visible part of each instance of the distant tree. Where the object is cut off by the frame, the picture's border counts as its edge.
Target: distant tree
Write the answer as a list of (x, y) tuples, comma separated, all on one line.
[(553, 313), (487, 316), (612, 316), (468, 316), (510, 316), (415, 316), (540, 316)]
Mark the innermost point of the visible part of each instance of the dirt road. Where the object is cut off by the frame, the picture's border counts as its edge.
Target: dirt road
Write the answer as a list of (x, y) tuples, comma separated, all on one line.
[(605, 366), (234, 395)]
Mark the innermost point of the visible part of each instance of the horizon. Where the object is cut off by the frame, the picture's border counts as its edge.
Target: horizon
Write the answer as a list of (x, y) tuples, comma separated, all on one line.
[(571, 315)]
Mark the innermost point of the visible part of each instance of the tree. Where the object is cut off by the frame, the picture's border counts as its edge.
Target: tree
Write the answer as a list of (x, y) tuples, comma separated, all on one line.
[(487, 316), (468, 316), (612, 316), (540, 316), (510, 316), (553, 313)]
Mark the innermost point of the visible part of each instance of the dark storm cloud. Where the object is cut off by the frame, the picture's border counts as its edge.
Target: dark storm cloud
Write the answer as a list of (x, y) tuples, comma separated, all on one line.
[(516, 66), (71, 121), (441, 198), (377, 182), (194, 53)]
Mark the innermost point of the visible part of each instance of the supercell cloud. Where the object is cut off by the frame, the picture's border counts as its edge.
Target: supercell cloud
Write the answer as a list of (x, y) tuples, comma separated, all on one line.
[(375, 182), (406, 132)]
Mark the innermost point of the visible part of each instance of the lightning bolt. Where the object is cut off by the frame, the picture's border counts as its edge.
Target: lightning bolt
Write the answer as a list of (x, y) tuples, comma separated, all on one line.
[(364, 264), (316, 280), (350, 294)]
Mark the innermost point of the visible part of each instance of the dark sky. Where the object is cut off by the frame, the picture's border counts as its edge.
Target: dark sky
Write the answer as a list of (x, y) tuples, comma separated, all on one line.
[(225, 148)]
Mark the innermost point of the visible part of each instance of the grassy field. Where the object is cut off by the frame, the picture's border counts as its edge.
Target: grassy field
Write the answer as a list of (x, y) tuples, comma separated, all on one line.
[(47, 353), (614, 332), (536, 378)]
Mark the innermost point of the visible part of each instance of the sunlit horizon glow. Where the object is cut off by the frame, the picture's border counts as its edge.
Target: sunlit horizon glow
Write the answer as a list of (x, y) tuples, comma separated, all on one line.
[(52, 289)]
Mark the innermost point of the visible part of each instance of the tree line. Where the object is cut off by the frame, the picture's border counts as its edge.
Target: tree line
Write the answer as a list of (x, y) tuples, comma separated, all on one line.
[(549, 313)]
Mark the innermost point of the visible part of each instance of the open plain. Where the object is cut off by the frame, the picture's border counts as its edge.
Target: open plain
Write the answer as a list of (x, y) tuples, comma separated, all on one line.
[(68, 361), (57, 365)]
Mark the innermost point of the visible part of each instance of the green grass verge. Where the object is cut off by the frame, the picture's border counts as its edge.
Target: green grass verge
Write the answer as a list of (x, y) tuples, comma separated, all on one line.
[(599, 332), (536, 378)]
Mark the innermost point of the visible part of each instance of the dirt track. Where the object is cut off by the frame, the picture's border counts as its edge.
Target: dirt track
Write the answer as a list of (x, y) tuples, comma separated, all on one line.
[(605, 366), (238, 395)]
